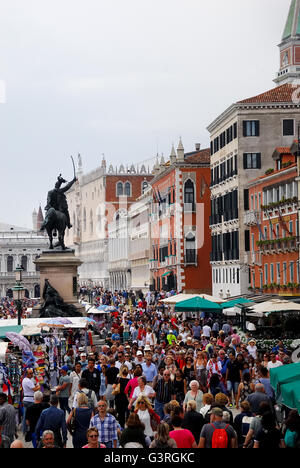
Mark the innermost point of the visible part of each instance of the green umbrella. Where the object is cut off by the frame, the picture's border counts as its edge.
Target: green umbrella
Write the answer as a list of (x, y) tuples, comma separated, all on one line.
[(10, 329), (290, 395), (234, 302), (196, 304), (283, 375)]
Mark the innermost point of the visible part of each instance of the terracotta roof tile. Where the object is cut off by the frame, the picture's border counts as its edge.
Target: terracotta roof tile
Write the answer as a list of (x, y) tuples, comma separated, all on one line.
[(283, 93), (202, 156)]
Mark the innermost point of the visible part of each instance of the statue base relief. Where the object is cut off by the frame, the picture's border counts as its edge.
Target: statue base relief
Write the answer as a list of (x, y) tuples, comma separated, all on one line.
[(59, 267)]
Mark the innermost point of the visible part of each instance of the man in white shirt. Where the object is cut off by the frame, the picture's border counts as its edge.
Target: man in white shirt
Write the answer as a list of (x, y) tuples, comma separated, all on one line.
[(29, 386), (75, 377), (206, 331), (121, 361), (274, 362)]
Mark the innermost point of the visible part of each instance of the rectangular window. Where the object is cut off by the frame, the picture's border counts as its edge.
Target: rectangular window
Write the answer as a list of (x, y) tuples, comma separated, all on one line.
[(288, 127), (284, 273), (235, 130), (291, 228), (251, 128), (266, 274), (278, 276), (272, 273), (291, 272), (252, 160)]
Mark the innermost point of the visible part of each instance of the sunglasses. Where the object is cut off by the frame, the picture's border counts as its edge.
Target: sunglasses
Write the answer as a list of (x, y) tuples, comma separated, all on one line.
[(93, 437)]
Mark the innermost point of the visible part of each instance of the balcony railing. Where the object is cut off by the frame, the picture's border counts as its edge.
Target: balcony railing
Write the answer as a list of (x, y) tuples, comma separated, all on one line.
[(251, 218), (253, 258), (277, 246)]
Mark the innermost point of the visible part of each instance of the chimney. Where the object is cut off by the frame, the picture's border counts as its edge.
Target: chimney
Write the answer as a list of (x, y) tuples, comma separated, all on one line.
[(198, 146)]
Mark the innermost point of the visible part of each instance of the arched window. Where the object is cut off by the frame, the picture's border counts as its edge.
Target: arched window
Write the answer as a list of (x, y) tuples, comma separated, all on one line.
[(91, 222), (128, 189), (84, 219), (190, 248), (10, 264), (24, 262), (189, 196), (120, 189), (144, 186)]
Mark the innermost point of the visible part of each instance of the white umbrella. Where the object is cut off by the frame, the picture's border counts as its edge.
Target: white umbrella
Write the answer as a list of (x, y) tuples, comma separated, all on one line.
[(185, 297), (275, 305)]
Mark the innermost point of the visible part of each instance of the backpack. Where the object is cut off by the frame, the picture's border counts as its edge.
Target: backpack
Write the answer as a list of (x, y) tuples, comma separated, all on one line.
[(219, 438)]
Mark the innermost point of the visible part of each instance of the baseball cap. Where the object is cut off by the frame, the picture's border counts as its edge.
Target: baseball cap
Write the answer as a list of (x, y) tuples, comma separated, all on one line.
[(216, 412), (82, 354), (147, 348), (139, 353), (65, 368)]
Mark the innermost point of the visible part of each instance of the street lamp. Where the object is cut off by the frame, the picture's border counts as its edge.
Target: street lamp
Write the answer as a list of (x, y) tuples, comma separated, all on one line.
[(19, 292)]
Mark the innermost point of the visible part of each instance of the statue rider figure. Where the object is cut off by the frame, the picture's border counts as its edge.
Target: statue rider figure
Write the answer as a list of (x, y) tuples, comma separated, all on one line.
[(57, 199)]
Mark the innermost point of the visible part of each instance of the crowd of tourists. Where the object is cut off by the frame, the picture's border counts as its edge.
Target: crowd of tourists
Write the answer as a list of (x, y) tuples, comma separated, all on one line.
[(158, 381), (8, 308)]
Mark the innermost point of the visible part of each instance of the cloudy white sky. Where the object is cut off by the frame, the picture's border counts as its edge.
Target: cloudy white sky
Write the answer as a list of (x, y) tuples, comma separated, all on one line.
[(121, 77)]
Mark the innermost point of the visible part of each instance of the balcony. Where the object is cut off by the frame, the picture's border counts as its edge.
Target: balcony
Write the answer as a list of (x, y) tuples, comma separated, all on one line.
[(251, 218), (277, 246), (153, 264), (253, 258)]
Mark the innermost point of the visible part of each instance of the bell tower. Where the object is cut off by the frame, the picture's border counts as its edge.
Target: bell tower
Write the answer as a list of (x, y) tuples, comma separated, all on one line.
[(289, 71)]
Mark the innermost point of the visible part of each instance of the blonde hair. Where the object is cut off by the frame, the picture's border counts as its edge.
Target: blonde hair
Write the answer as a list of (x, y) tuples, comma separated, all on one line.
[(145, 399), (191, 405), (82, 399)]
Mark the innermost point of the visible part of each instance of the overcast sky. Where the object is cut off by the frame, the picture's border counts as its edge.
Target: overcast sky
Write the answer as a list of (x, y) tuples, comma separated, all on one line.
[(121, 77)]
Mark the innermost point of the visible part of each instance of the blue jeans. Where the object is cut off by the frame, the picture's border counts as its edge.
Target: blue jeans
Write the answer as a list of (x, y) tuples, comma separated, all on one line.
[(159, 409), (25, 406), (64, 404)]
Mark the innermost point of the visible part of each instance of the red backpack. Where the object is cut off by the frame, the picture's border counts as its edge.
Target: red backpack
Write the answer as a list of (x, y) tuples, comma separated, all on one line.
[(219, 438)]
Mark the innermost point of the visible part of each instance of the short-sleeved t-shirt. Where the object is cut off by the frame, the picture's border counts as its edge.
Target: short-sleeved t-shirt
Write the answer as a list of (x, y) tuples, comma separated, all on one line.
[(66, 391), (208, 430), (28, 385), (183, 438), (234, 368), (111, 375)]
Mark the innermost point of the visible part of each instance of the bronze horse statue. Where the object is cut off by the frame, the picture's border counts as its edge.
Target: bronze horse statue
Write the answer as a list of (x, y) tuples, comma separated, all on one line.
[(56, 223)]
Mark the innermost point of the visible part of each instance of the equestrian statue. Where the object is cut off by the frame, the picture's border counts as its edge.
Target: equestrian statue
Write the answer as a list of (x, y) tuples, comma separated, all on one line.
[(57, 217)]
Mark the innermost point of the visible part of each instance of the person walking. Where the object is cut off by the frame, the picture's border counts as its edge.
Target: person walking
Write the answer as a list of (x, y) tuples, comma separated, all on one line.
[(29, 386), (106, 425), (217, 434), (33, 413), (80, 418), (63, 389), (7, 419), (53, 419)]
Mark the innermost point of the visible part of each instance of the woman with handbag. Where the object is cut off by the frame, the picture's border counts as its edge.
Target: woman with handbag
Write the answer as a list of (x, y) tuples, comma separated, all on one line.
[(79, 421), (147, 416), (121, 400)]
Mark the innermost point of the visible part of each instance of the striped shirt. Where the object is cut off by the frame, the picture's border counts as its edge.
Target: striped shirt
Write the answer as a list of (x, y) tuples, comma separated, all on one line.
[(8, 420), (164, 391)]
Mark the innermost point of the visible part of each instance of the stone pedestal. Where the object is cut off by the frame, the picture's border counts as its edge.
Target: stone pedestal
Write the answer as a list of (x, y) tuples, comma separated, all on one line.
[(60, 268)]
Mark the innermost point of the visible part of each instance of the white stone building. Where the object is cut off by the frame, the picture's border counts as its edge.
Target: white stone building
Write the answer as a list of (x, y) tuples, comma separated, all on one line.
[(20, 247), (243, 140)]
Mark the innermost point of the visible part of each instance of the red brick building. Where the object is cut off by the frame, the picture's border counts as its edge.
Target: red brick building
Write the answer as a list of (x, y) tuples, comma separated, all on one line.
[(272, 221), (180, 211)]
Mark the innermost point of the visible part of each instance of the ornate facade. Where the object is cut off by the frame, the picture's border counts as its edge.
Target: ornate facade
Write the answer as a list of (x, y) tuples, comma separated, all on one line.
[(20, 246)]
